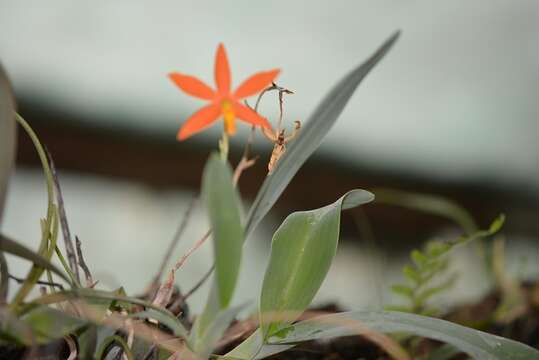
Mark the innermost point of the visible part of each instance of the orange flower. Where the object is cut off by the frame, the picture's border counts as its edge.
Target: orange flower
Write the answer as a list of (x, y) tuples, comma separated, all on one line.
[(223, 102)]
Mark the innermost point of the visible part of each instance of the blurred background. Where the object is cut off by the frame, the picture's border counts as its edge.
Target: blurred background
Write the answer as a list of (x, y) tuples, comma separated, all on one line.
[(452, 110)]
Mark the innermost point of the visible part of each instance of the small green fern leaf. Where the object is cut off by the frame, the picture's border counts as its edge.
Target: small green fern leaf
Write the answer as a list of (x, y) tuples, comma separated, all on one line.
[(428, 266)]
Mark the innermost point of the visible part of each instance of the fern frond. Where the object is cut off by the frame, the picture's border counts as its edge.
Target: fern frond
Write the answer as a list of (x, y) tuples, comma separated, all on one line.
[(431, 264)]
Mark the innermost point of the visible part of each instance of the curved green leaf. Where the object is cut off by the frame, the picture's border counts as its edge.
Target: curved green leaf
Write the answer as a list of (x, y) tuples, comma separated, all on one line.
[(7, 135), (90, 295), (428, 203), (105, 347), (223, 206), (49, 225), (311, 136), (12, 247), (51, 324), (170, 322), (477, 344), (205, 344), (301, 253)]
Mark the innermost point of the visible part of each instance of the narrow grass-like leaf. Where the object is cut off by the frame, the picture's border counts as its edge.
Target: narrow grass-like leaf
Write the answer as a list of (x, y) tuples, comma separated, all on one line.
[(432, 204), (477, 344), (44, 249), (302, 250), (4, 279), (170, 322), (215, 331), (90, 295), (7, 135), (223, 206), (105, 347), (311, 136), (12, 247)]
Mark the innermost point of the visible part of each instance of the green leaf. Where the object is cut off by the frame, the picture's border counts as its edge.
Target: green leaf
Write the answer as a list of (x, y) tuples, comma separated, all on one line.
[(496, 224), (12, 247), (50, 324), (403, 290), (87, 341), (91, 295), (105, 347), (223, 206), (444, 352), (302, 250), (4, 279), (14, 330), (411, 274), (419, 258), (7, 135), (49, 225), (215, 331), (475, 343), (427, 293), (436, 248), (170, 322), (432, 204), (311, 136), (254, 348)]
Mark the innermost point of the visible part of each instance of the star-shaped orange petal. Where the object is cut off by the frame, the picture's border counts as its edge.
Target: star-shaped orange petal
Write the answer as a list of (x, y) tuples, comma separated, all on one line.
[(223, 102)]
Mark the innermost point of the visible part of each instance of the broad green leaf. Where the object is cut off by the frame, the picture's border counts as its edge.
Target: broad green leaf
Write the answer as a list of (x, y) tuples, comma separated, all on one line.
[(12, 247), (311, 136), (254, 348), (223, 206), (302, 250), (50, 324), (7, 135), (13, 330), (477, 344)]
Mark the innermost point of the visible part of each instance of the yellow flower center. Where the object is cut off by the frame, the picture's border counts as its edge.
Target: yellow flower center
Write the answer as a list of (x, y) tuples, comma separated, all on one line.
[(229, 116)]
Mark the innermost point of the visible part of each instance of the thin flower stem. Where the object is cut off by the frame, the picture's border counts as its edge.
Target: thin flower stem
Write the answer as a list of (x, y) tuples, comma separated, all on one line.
[(223, 146)]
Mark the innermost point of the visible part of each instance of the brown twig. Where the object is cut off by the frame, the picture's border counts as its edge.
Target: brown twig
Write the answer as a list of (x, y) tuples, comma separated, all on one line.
[(68, 241), (89, 280), (40, 282), (199, 283), (194, 248)]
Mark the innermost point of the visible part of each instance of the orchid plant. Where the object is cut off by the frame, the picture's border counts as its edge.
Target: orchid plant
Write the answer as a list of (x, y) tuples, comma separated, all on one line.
[(99, 324)]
